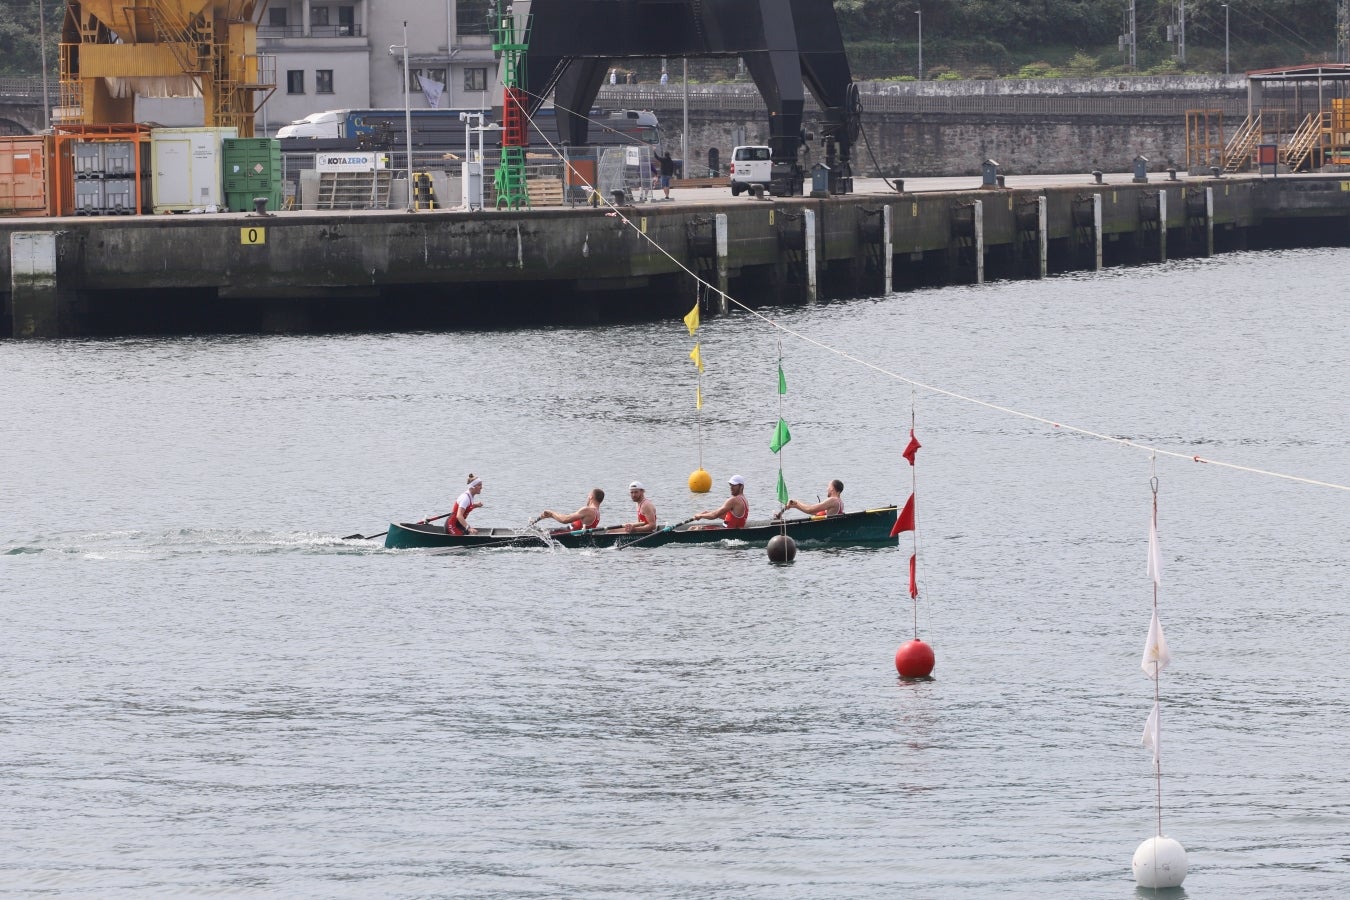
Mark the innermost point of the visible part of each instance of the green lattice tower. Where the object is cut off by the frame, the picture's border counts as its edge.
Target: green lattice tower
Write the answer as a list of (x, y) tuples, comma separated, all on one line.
[(509, 182)]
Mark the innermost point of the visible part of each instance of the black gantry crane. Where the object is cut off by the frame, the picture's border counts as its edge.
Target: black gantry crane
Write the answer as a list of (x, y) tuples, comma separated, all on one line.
[(787, 46)]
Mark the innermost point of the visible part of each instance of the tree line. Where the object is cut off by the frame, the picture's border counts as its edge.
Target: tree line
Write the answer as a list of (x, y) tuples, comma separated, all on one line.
[(966, 38)]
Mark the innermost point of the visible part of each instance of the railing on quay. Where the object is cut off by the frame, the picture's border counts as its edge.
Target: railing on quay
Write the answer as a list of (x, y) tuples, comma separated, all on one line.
[(26, 87), (671, 97)]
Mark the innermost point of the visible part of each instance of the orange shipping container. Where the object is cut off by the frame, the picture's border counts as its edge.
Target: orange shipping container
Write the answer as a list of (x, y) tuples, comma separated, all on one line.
[(25, 179)]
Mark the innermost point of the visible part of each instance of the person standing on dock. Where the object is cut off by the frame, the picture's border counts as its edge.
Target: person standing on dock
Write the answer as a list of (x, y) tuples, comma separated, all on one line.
[(832, 505), (646, 511), (667, 170), (458, 523), (735, 512), (586, 517)]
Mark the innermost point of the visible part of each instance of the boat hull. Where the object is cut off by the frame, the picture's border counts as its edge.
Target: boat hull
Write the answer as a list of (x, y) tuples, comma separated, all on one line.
[(870, 528)]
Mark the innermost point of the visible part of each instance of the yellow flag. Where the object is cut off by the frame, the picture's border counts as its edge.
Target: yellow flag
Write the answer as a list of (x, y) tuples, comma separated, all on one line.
[(696, 357), (698, 398), (691, 320)]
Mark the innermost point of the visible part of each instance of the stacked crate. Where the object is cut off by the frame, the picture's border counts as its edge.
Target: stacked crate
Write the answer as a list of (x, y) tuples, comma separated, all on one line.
[(105, 177), (100, 169)]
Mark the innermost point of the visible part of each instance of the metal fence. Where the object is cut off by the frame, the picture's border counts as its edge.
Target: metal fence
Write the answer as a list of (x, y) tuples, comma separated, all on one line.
[(27, 87), (1104, 105), (569, 181)]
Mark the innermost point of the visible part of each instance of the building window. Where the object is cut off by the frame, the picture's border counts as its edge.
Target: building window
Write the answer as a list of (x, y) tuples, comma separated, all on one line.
[(318, 15), (323, 81), (346, 21), (295, 81), (475, 79), (472, 17), (416, 76), (276, 16)]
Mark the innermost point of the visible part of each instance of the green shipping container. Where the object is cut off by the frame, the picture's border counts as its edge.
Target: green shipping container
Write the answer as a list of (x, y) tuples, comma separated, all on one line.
[(252, 168)]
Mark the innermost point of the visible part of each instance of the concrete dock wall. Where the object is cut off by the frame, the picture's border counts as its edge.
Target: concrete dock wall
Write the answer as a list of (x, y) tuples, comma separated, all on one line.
[(384, 270)]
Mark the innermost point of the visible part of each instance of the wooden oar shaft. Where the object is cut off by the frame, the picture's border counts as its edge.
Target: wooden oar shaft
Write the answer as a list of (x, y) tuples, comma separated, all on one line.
[(369, 537)]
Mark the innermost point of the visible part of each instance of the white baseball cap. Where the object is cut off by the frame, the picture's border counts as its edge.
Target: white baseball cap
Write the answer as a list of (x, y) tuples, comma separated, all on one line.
[(636, 486), (736, 479)]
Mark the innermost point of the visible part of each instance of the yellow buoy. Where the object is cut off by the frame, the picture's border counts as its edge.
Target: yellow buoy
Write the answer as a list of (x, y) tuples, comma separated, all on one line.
[(700, 482)]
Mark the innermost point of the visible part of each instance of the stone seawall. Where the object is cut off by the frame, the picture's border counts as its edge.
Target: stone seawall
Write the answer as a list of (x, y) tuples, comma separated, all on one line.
[(1031, 127)]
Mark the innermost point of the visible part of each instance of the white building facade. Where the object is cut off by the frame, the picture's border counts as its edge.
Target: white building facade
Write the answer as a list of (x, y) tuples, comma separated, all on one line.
[(337, 56)]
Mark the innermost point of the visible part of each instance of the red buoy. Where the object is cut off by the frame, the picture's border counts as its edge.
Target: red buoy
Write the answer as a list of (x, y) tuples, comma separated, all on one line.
[(914, 659)]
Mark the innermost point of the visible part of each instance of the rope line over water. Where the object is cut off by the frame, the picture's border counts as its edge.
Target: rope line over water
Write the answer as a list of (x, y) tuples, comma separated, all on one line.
[(614, 211)]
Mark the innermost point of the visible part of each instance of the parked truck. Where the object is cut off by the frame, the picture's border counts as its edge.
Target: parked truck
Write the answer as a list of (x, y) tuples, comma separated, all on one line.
[(443, 129)]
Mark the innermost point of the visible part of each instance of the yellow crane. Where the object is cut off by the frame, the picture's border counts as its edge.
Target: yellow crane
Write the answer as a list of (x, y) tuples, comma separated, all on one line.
[(115, 50)]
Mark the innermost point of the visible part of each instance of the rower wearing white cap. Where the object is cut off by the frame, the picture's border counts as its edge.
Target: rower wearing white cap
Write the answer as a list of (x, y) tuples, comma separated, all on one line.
[(646, 511), (735, 512), (458, 523)]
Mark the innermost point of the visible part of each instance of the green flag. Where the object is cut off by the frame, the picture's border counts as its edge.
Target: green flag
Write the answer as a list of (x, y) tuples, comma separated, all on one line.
[(782, 382), (781, 436), (782, 490)]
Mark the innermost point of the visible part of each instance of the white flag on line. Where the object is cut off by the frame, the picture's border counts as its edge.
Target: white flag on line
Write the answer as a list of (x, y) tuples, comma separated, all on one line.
[(1156, 654), (1150, 738), (1154, 553)]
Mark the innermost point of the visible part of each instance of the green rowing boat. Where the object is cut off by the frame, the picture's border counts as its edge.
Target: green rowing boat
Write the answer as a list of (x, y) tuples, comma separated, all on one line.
[(870, 528)]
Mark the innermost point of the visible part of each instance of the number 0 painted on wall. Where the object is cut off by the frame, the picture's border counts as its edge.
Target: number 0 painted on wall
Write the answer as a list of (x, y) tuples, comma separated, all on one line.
[(253, 235)]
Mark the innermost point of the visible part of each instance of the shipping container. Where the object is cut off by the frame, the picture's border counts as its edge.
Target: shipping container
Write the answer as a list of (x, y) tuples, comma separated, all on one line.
[(186, 163), (25, 175), (252, 169)]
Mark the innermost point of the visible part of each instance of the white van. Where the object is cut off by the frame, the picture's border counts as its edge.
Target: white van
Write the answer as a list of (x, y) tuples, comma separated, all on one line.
[(750, 165)]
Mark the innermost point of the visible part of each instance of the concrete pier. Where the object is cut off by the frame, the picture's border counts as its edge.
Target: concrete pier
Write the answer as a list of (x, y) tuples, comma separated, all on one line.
[(393, 270)]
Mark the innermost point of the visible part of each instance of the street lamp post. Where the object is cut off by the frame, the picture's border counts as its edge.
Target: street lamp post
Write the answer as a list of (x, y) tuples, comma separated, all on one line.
[(42, 40), (407, 112), (919, 13), (684, 131), (1226, 70)]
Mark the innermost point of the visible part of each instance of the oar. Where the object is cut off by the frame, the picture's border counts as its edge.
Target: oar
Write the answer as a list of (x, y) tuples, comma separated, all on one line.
[(368, 537), (655, 532)]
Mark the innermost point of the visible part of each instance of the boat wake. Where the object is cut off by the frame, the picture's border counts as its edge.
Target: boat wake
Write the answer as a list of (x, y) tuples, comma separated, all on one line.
[(147, 545)]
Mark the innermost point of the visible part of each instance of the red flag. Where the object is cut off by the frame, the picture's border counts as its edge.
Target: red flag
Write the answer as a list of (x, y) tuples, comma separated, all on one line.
[(904, 521), (913, 447), (913, 582)]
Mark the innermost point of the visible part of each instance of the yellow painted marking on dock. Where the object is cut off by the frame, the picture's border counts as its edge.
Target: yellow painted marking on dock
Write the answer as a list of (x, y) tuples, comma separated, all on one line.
[(770, 217), (644, 225), (253, 235), (914, 209), (1345, 185), (1010, 202), (1113, 196)]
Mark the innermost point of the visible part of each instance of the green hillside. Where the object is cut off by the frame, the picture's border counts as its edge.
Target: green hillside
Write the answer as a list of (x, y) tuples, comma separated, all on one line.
[(968, 38)]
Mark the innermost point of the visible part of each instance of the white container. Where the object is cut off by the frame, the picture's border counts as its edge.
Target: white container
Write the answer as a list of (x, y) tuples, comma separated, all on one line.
[(186, 163)]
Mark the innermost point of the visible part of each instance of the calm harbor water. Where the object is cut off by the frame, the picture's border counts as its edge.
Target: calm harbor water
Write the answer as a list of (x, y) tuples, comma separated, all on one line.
[(206, 691)]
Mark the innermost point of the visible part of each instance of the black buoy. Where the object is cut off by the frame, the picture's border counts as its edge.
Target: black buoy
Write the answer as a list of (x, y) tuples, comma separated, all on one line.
[(782, 549)]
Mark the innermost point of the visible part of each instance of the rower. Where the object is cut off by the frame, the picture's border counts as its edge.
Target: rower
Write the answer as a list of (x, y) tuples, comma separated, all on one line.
[(832, 505), (735, 512), (586, 517), (458, 523), (646, 511)]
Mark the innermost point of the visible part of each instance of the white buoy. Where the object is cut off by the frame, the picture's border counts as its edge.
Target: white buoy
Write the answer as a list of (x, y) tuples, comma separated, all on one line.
[(1160, 862)]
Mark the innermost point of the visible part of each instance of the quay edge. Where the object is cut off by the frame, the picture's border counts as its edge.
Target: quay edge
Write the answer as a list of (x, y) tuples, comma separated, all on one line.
[(396, 270)]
